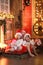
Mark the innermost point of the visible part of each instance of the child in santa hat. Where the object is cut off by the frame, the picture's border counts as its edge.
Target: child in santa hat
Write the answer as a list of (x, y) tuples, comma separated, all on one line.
[(19, 41), (27, 42), (16, 44)]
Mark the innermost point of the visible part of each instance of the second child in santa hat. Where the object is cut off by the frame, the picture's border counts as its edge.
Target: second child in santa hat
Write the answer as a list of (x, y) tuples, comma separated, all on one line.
[(27, 43)]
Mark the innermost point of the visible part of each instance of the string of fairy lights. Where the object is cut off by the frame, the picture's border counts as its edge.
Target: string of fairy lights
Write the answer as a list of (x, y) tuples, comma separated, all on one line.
[(5, 15), (38, 26), (39, 9)]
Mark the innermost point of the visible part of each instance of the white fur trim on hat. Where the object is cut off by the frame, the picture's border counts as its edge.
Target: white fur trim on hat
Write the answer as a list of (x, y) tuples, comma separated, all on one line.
[(18, 34), (27, 34)]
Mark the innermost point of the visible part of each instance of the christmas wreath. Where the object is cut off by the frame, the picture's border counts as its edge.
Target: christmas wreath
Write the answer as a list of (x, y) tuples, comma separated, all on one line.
[(27, 2)]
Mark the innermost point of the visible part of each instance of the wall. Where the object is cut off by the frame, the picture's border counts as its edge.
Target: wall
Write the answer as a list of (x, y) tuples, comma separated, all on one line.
[(5, 6), (15, 7)]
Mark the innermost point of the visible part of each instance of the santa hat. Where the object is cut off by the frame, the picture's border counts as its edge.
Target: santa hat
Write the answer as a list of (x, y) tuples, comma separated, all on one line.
[(27, 34), (18, 30), (18, 35), (23, 31)]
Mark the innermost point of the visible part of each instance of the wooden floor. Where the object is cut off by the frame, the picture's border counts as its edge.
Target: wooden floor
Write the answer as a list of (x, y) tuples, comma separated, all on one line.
[(11, 60)]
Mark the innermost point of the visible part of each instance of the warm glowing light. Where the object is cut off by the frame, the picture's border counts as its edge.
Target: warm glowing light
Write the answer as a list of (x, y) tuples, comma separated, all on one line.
[(42, 19), (36, 19), (9, 16), (42, 30), (37, 24), (2, 17), (37, 32), (2, 45), (5, 15)]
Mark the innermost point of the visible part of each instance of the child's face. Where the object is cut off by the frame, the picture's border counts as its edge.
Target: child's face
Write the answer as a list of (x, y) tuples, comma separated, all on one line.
[(19, 37), (27, 39)]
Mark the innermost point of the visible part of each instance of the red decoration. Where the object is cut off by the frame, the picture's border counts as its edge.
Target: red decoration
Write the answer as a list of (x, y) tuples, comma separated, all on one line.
[(27, 18)]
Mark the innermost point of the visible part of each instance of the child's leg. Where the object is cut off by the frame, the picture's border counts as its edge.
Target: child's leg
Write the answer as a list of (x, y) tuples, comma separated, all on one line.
[(34, 50), (29, 51)]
